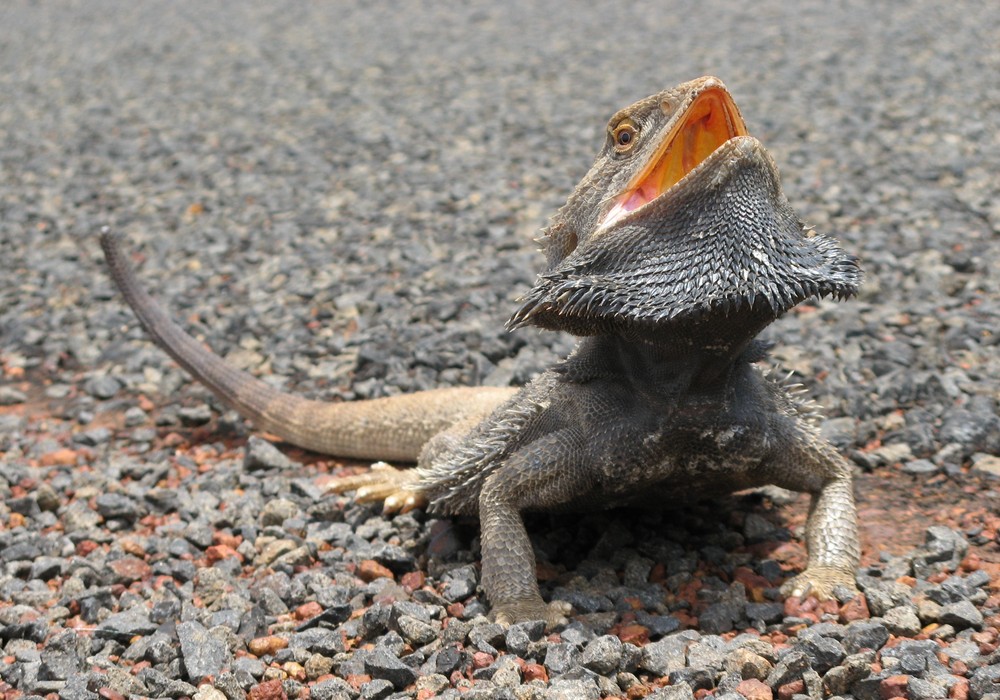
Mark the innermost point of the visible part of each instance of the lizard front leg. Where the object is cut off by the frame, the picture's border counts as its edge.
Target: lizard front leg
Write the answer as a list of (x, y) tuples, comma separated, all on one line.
[(809, 463), (540, 475)]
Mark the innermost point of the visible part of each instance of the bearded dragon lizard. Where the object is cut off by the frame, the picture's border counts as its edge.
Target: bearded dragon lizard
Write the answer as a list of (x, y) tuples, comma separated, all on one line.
[(675, 250)]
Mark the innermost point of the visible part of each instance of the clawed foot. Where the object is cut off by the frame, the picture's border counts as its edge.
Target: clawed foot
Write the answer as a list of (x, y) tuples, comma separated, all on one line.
[(383, 482), (819, 582), (555, 613)]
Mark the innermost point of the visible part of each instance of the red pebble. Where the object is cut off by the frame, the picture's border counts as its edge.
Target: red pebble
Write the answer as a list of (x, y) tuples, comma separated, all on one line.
[(959, 690), (535, 672), (268, 690), (786, 691), (481, 659), (854, 609), (753, 689), (308, 611), (893, 687), (369, 570)]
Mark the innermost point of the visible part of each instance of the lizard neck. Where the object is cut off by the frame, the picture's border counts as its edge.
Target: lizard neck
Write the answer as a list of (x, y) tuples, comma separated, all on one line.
[(663, 366)]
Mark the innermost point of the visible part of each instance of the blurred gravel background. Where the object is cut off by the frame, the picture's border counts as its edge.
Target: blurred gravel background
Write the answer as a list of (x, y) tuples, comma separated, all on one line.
[(342, 197)]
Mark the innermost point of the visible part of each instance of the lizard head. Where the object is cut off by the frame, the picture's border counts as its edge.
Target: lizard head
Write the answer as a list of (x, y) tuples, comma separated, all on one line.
[(681, 221)]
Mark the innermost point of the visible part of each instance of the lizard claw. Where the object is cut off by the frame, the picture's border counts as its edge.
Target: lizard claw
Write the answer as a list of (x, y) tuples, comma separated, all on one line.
[(555, 614), (819, 582), (385, 483)]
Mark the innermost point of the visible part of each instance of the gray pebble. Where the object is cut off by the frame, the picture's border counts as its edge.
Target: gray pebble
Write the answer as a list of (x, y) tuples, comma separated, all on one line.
[(573, 690), (102, 386), (679, 691), (376, 689), (984, 681), (128, 623), (203, 654), (193, 416), (961, 615), (135, 416), (561, 657), (277, 511), (116, 506), (920, 467), (488, 637), (9, 396), (919, 689), (667, 655), (262, 455), (332, 689), (603, 654), (902, 621)]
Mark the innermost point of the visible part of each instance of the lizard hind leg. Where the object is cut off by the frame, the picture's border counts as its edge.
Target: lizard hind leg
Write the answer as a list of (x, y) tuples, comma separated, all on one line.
[(383, 482)]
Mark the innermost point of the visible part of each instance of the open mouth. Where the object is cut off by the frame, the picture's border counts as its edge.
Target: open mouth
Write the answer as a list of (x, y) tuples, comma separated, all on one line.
[(711, 119)]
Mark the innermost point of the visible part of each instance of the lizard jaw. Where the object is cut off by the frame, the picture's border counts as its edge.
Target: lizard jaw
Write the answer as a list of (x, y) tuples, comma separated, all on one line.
[(709, 121)]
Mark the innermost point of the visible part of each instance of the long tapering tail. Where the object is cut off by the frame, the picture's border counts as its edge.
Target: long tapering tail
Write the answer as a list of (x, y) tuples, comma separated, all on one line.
[(392, 428)]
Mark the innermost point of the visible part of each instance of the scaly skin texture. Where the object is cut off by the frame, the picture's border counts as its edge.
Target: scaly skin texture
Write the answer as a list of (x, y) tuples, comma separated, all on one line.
[(671, 255)]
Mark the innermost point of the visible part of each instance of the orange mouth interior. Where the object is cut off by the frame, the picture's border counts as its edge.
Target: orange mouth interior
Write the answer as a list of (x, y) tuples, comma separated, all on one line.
[(710, 121)]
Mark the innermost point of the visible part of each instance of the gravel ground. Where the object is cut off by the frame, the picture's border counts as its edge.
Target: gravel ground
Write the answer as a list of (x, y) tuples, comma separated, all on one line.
[(342, 199)]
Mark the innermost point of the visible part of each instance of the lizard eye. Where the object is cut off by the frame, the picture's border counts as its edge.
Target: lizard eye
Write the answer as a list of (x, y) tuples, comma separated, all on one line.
[(624, 136)]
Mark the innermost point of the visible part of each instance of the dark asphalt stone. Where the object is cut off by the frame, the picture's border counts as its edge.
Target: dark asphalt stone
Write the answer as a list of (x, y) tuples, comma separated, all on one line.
[(46, 568), (658, 625), (920, 689), (416, 632), (394, 558), (976, 431), (460, 583), (724, 615), (842, 432), (824, 653), (451, 659), (768, 613), (864, 634), (382, 664)]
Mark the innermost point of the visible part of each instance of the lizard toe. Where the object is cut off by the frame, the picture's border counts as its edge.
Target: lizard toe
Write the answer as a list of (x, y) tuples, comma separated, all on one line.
[(555, 614), (819, 582), (384, 483)]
